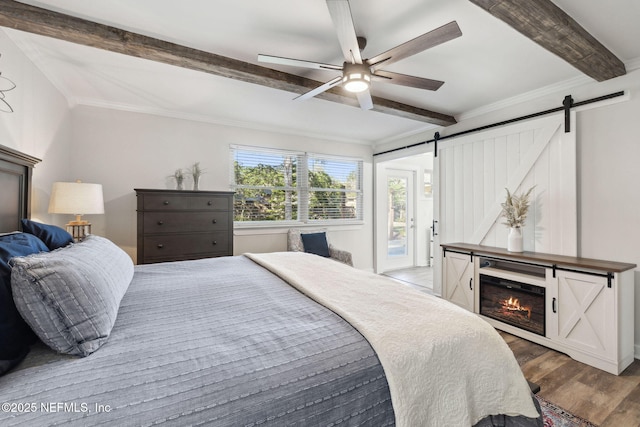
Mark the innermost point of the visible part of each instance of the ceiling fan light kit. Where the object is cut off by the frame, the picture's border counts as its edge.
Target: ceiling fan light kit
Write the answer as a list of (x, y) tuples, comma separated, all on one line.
[(357, 72), (357, 77)]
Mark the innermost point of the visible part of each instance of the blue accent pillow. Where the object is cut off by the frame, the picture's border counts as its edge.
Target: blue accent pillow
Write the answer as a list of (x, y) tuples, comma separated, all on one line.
[(15, 334), (52, 236), (316, 243)]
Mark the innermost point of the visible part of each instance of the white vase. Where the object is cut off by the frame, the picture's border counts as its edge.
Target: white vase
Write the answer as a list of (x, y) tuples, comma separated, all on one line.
[(514, 241)]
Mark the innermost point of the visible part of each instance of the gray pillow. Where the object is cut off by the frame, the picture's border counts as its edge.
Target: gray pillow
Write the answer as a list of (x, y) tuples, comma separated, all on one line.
[(70, 297)]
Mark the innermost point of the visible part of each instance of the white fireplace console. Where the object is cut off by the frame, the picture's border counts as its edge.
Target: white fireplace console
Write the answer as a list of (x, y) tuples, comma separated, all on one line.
[(588, 308)]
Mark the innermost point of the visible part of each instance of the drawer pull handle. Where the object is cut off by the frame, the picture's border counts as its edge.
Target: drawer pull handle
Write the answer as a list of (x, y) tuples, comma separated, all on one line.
[(160, 222), (215, 242), (209, 203), (214, 221), (160, 246), (166, 202)]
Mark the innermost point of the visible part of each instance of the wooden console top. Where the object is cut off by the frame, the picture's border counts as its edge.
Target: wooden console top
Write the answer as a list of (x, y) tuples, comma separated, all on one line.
[(542, 258)]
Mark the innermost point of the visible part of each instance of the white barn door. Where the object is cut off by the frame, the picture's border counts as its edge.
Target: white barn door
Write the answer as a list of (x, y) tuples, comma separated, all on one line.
[(476, 169)]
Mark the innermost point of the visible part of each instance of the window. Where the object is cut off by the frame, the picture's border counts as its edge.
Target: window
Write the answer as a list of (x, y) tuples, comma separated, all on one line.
[(428, 190), (289, 186)]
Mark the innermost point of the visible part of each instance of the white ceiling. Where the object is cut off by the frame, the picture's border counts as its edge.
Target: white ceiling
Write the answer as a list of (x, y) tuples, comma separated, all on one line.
[(489, 64)]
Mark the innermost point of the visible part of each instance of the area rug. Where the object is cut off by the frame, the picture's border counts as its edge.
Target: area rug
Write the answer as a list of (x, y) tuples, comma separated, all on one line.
[(555, 416)]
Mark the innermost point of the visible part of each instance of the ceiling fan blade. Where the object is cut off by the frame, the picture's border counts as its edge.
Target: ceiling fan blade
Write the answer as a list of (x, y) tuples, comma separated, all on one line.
[(404, 80), (364, 98), (297, 63), (328, 85), (428, 40), (341, 16)]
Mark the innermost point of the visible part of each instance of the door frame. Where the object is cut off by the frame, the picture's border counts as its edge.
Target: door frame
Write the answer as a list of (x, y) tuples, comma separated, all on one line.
[(380, 163)]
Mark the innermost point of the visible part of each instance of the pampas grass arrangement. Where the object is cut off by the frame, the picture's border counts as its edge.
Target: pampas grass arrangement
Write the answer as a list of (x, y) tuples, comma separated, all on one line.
[(515, 208)]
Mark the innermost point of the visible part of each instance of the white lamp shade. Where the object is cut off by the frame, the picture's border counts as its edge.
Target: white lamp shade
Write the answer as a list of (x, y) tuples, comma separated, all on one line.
[(77, 198)]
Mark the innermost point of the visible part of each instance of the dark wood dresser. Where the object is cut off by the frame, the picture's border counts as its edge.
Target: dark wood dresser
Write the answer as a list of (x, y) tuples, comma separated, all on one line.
[(176, 225)]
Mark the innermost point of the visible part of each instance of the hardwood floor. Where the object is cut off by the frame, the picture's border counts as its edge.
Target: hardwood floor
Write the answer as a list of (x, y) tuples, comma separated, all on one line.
[(604, 399)]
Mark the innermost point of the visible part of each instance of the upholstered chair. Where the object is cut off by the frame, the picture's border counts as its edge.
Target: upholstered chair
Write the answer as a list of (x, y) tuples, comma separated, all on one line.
[(295, 244)]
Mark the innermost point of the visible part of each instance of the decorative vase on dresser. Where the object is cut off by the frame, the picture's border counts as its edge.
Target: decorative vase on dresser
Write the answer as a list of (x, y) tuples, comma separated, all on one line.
[(175, 225)]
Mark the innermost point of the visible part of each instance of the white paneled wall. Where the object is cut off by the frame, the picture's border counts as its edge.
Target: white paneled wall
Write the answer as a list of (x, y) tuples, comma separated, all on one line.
[(476, 169)]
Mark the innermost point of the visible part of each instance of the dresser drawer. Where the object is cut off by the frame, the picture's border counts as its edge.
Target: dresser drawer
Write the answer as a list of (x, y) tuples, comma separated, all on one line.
[(184, 245), (171, 222), (166, 202)]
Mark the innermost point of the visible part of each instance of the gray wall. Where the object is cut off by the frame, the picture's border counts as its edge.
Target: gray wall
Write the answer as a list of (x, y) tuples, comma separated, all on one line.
[(123, 151)]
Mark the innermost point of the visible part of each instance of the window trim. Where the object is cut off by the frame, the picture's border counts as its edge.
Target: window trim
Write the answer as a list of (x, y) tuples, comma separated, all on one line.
[(302, 189)]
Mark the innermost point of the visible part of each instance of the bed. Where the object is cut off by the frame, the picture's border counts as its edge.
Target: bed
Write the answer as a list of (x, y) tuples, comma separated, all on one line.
[(252, 340)]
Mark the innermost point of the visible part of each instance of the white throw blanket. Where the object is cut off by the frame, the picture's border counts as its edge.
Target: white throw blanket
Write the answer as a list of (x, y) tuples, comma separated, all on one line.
[(444, 365)]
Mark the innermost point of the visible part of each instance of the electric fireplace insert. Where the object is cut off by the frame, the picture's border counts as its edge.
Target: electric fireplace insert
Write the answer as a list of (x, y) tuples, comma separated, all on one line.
[(518, 304)]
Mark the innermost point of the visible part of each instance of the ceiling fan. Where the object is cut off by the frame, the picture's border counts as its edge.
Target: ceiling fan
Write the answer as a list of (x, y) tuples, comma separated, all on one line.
[(357, 73)]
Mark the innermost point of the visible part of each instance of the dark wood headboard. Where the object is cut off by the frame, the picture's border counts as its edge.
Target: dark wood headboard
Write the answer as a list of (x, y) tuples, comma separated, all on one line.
[(15, 187)]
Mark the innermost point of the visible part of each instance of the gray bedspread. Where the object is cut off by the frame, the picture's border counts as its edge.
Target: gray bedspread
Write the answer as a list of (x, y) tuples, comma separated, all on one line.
[(211, 342)]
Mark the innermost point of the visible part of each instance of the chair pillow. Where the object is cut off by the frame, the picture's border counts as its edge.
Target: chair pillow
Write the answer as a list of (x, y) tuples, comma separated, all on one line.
[(70, 297), (316, 243), (52, 236)]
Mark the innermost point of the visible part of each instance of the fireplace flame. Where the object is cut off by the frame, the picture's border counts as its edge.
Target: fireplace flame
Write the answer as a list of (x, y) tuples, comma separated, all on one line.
[(513, 304)]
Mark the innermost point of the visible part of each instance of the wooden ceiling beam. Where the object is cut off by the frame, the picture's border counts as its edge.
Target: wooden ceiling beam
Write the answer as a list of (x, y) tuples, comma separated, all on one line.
[(48, 23), (549, 26)]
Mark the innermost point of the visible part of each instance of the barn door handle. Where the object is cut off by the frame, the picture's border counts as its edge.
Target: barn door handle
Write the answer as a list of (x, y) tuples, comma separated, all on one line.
[(553, 305), (471, 284)]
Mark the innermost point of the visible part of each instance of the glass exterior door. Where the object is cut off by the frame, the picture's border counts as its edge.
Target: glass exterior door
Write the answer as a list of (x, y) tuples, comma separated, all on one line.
[(400, 226)]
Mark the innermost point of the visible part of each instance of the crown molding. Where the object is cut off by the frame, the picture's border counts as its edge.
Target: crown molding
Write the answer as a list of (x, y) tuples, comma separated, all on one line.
[(525, 97), (632, 64)]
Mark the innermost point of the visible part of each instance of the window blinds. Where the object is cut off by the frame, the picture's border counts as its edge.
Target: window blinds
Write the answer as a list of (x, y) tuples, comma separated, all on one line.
[(282, 185)]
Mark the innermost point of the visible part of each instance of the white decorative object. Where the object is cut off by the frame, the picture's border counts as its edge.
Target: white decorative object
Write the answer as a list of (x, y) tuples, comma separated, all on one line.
[(179, 176), (514, 211), (514, 241), (196, 173)]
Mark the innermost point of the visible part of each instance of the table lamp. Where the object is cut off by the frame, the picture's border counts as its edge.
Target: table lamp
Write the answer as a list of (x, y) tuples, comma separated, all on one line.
[(77, 198)]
